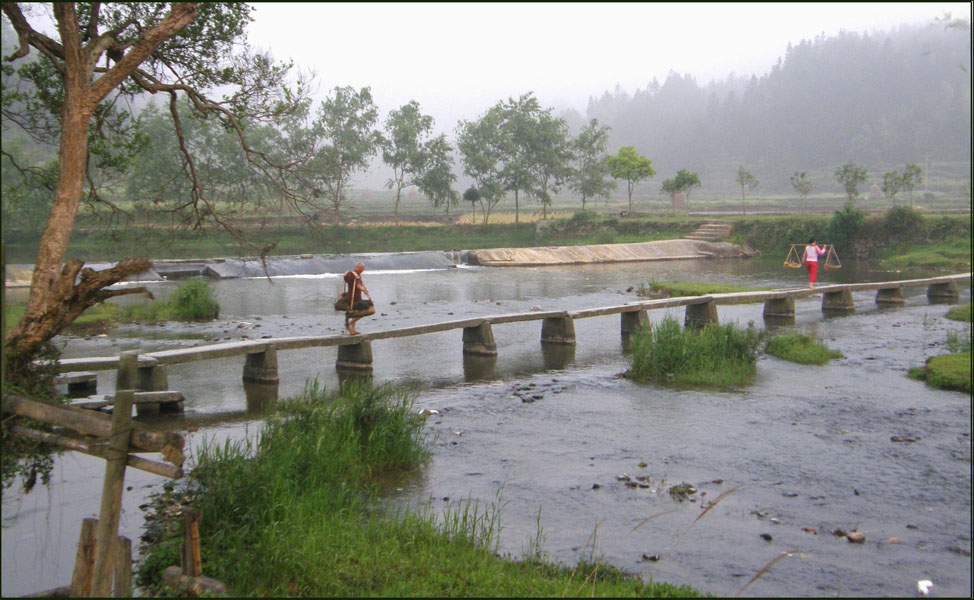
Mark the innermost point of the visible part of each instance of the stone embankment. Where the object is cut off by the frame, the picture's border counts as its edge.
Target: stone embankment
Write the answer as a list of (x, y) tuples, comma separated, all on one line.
[(607, 253)]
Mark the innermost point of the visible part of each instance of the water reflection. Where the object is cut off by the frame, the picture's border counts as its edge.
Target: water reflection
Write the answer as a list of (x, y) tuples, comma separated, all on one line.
[(557, 356), (478, 367), (261, 397)]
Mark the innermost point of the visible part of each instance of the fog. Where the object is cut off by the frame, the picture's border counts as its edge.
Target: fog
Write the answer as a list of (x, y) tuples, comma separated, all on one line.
[(457, 59), (776, 87)]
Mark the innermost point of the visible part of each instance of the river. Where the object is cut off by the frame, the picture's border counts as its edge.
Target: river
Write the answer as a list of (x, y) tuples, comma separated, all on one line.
[(854, 445)]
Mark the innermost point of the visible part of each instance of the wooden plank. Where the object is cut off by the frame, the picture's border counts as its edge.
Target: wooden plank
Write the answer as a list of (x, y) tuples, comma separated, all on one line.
[(123, 568), (88, 422)]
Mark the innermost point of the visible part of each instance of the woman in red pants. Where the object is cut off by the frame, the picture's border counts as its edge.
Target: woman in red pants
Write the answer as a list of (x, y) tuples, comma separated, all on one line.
[(810, 258)]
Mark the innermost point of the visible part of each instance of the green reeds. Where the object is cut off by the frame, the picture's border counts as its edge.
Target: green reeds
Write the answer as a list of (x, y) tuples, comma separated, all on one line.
[(715, 356), (800, 348), (295, 512)]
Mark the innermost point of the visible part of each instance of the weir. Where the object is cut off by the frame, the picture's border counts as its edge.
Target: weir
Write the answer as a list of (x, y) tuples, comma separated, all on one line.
[(478, 345)]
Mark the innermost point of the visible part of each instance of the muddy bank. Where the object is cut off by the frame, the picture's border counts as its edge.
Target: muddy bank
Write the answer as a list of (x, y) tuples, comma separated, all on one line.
[(607, 253)]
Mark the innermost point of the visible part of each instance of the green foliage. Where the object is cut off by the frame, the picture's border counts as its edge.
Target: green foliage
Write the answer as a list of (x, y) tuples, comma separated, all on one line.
[(803, 185), (305, 491), (193, 301), (902, 223), (715, 356), (630, 166), (670, 289), (844, 225), (591, 178), (800, 348), (850, 175), (960, 313), (747, 181)]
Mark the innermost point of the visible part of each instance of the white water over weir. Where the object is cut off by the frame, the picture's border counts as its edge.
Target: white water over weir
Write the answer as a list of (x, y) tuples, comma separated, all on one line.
[(557, 328)]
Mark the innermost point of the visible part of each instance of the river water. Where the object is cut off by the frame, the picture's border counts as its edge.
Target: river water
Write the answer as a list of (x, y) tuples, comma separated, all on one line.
[(545, 435)]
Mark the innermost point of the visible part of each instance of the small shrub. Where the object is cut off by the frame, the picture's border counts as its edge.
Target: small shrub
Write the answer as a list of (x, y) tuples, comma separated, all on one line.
[(844, 224), (193, 301), (903, 223), (946, 372), (800, 348)]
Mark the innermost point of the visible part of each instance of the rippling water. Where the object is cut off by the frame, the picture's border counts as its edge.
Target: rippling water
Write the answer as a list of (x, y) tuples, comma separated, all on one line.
[(804, 447)]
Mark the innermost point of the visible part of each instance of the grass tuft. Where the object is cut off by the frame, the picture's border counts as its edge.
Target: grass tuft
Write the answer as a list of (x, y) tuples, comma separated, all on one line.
[(800, 348), (960, 313), (715, 356)]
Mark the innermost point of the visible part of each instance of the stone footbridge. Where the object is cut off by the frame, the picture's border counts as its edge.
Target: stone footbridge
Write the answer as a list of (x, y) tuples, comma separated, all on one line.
[(557, 328)]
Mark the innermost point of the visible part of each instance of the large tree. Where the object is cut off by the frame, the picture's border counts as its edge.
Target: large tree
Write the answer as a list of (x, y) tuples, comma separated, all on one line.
[(632, 167), (519, 124), (550, 158), (685, 182), (590, 178), (436, 178), (482, 147), (100, 53), (406, 130), (912, 177)]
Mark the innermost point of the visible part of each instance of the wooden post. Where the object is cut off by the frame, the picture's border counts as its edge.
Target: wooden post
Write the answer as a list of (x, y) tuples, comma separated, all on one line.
[(191, 562), (123, 568), (84, 561), (699, 315), (558, 330), (479, 340), (111, 495), (890, 297), (3, 311)]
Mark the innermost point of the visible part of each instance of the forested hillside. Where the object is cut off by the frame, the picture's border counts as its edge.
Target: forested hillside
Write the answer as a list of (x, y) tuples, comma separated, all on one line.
[(881, 100)]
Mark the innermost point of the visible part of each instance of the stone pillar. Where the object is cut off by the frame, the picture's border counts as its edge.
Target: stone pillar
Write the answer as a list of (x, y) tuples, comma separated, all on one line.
[(558, 330), (631, 323), (699, 315), (356, 357), (261, 397), (479, 340), (780, 307), (153, 378), (261, 367), (942, 293), (838, 302), (890, 297)]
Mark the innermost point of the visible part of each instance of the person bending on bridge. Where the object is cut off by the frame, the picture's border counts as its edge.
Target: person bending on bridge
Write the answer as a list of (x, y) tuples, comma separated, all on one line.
[(354, 287), (810, 258)]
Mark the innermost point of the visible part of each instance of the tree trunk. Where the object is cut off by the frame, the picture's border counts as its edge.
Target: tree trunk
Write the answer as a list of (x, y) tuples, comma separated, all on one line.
[(395, 207), (515, 207)]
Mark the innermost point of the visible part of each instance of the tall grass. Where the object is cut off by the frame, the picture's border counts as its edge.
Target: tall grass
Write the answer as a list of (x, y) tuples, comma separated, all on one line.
[(295, 512), (715, 356), (192, 301)]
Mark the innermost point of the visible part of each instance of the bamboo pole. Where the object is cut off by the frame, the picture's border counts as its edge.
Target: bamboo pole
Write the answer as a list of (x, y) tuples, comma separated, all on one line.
[(111, 495), (136, 462), (84, 561)]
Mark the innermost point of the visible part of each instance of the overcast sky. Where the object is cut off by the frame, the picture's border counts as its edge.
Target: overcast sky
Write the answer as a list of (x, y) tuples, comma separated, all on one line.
[(458, 59)]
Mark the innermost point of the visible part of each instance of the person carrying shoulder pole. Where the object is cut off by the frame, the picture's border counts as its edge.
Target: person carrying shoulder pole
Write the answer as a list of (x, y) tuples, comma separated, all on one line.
[(810, 258), (355, 287)]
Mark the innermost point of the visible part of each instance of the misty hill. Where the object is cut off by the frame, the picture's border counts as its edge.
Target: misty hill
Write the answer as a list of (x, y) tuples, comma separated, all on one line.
[(880, 100)]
